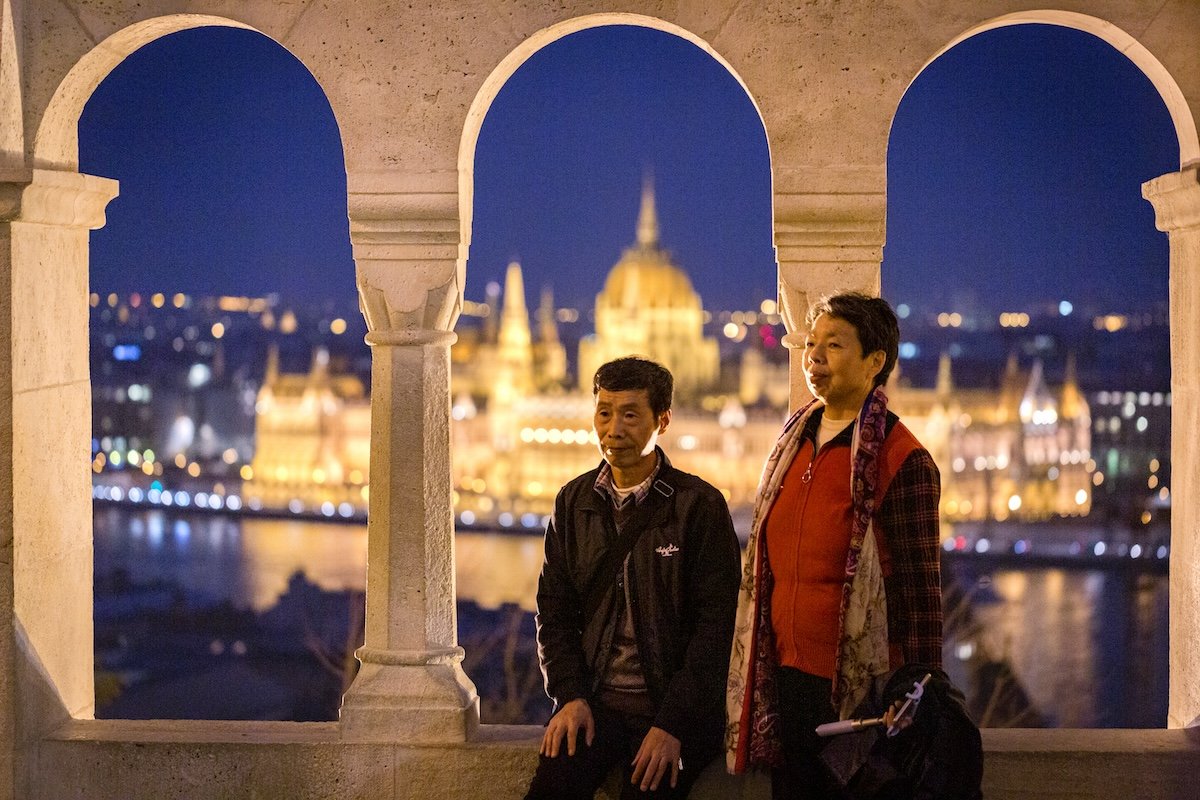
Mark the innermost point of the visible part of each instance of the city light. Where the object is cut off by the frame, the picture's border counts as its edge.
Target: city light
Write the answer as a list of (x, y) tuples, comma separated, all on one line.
[(1110, 323), (1065, 308), (337, 327)]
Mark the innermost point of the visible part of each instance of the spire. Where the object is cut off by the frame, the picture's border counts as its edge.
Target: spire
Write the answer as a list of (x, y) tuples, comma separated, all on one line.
[(647, 227), (1073, 405), (1012, 388), (514, 291), (514, 344), (271, 376), (547, 327), (491, 323), (945, 381), (514, 320), (1037, 404)]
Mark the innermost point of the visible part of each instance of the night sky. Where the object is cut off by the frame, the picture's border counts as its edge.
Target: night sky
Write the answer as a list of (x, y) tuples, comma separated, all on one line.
[(1014, 172)]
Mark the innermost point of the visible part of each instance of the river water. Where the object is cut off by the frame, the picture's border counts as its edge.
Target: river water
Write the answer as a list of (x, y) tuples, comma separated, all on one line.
[(1087, 647)]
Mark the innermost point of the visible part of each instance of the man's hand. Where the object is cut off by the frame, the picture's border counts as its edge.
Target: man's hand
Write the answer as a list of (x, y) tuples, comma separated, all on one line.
[(658, 753), (566, 723)]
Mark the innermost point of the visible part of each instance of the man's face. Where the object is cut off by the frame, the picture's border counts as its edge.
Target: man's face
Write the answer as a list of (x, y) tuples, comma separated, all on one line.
[(835, 367), (627, 427)]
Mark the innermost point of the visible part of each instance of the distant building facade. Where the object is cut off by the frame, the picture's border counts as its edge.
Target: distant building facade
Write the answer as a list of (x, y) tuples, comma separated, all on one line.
[(520, 430), (1020, 453)]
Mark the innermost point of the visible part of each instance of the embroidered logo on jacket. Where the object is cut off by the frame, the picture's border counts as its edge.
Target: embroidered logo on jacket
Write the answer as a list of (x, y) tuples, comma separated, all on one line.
[(667, 550)]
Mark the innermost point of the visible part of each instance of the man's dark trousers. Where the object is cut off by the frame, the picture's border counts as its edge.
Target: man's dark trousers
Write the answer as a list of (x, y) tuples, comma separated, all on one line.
[(621, 724)]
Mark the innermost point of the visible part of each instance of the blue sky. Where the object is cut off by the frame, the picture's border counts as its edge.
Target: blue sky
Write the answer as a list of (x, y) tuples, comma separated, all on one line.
[(1014, 172)]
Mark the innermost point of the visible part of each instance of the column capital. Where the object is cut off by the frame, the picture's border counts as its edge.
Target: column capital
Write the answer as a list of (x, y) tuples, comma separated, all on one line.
[(53, 197), (409, 251), (1176, 199), (830, 214), (12, 184), (829, 232)]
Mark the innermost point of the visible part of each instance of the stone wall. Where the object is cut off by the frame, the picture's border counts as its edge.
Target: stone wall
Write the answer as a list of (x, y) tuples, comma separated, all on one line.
[(409, 84), (207, 761)]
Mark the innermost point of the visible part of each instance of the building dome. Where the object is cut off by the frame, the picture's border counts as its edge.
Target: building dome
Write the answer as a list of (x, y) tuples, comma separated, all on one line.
[(648, 307), (646, 277)]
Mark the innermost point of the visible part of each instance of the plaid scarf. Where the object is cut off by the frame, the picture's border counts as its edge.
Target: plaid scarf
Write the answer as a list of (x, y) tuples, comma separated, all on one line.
[(752, 734)]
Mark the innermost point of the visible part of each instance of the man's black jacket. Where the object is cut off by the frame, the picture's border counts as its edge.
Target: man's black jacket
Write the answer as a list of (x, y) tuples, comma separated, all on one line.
[(683, 572)]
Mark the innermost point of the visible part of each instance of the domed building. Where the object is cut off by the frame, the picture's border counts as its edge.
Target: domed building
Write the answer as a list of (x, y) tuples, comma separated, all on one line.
[(649, 308)]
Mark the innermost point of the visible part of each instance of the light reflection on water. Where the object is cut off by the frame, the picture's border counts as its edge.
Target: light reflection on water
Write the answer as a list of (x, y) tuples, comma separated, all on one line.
[(1089, 647), (248, 560)]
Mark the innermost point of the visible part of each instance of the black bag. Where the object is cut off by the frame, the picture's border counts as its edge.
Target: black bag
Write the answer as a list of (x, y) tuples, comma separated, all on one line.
[(938, 757)]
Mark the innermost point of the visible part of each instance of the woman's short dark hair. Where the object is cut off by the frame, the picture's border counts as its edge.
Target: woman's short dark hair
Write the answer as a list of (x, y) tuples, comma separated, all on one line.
[(873, 321), (633, 373)]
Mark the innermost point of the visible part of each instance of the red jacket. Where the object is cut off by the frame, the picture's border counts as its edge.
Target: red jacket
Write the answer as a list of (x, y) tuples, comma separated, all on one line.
[(808, 536)]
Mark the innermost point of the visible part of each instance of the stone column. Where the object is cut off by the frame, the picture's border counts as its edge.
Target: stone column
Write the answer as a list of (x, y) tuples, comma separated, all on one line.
[(1176, 200), (411, 687), (46, 638), (829, 229)]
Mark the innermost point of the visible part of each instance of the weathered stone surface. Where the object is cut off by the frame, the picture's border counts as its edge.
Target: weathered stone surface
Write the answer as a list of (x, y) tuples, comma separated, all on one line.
[(410, 84), (198, 761), (1176, 199)]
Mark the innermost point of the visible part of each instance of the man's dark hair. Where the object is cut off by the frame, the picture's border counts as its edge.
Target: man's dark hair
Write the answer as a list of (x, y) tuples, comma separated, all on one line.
[(633, 373), (873, 321)]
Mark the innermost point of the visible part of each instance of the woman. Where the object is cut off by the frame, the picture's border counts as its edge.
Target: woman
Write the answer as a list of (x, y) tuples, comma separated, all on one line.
[(842, 580)]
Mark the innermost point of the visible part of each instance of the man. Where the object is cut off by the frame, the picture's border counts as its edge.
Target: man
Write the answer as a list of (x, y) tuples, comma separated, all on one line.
[(635, 606)]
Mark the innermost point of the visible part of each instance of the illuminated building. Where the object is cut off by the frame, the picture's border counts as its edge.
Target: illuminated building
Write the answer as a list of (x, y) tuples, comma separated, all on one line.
[(1020, 453), (312, 437), (648, 307)]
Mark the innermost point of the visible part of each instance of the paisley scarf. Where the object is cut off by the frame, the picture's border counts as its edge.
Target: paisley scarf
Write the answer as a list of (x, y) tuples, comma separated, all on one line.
[(752, 715)]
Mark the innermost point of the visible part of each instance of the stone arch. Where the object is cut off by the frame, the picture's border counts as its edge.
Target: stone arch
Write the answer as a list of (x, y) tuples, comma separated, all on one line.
[(1131, 48), (512, 62), (57, 207), (1176, 199), (56, 144)]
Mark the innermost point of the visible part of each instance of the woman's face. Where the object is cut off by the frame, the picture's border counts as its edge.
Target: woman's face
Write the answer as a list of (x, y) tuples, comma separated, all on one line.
[(836, 369)]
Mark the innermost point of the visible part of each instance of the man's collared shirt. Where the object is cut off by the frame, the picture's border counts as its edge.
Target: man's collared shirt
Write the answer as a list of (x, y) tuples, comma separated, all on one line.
[(606, 486), (624, 670)]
